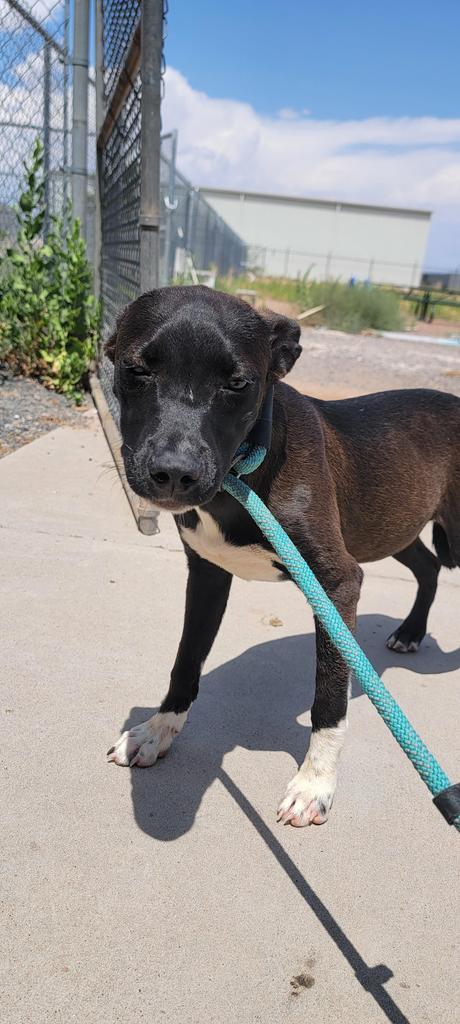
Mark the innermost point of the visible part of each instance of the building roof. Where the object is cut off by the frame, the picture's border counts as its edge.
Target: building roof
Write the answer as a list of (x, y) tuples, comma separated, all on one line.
[(321, 203)]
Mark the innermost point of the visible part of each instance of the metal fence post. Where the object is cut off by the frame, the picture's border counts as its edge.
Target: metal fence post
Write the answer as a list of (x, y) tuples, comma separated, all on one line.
[(80, 112), (170, 210), (99, 49), (286, 262), (65, 114), (149, 220), (46, 132)]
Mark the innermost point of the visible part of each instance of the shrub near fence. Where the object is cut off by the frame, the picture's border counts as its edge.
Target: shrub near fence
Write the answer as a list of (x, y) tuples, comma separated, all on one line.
[(48, 317)]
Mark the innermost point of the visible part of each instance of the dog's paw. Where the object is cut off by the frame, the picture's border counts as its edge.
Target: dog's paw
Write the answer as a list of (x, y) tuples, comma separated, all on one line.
[(143, 744), (403, 643), (308, 799)]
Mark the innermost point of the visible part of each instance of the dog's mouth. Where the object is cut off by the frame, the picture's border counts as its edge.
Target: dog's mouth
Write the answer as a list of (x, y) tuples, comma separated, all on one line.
[(177, 504), (175, 508)]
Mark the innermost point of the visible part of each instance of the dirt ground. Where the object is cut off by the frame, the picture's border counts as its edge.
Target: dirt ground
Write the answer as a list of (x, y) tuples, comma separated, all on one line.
[(337, 365), (438, 328), (334, 364)]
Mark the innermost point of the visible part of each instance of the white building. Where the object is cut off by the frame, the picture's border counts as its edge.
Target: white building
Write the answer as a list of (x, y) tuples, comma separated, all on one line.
[(289, 237)]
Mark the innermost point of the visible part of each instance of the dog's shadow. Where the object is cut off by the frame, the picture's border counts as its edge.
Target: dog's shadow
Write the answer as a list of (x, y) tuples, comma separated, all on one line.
[(252, 701)]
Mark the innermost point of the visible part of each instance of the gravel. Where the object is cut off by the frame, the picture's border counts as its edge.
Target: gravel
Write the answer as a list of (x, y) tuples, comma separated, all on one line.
[(27, 409), (338, 365)]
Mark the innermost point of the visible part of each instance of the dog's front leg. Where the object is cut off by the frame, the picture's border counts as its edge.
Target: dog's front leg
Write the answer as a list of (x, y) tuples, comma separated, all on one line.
[(310, 794), (208, 588)]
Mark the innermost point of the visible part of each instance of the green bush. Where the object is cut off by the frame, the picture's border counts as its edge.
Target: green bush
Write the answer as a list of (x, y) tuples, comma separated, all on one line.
[(347, 308), (358, 308), (49, 319)]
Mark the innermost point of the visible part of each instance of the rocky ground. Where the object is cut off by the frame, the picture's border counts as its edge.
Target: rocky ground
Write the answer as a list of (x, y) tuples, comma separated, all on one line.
[(27, 409)]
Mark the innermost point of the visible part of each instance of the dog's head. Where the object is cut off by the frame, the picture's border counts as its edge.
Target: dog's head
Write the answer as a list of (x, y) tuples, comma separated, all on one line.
[(192, 367)]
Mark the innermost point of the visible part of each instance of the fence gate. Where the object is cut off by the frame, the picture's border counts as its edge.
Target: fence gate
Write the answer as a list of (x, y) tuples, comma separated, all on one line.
[(153, 222), (129, 37)]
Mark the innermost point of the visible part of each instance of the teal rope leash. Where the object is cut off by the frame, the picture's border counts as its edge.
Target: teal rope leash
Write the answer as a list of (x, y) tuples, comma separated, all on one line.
[(446, 796)]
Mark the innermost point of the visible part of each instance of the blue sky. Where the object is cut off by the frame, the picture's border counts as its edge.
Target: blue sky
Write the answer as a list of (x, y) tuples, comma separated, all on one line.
[(341, 60), (349, 101)]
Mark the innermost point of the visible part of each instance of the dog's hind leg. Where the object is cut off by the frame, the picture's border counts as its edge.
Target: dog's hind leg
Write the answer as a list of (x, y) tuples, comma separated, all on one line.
[(425, 567), (446, 532), (208, 588)]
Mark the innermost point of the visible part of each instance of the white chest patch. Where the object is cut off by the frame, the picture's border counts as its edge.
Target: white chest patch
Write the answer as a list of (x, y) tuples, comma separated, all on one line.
[(250, 562)]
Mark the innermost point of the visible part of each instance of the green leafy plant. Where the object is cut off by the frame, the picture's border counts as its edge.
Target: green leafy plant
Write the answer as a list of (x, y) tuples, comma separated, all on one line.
[(49, 320)]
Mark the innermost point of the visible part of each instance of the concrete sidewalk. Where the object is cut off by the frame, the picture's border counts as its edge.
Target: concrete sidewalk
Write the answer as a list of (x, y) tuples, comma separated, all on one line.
[(171, 895)]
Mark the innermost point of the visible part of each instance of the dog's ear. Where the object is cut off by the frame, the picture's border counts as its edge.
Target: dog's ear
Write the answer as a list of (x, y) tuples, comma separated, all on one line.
[(284, 341), (111, 343), (109, 347)]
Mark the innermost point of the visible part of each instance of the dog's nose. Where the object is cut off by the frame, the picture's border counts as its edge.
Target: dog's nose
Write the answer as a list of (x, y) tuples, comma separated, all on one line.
[(173, 477)]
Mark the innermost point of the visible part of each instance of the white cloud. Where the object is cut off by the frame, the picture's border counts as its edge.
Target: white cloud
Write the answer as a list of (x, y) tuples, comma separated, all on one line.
[(289, 114), (403, 161)]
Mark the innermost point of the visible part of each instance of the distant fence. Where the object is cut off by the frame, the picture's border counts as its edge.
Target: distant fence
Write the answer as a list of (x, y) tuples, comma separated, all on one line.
[(191, 227), (323, 266)]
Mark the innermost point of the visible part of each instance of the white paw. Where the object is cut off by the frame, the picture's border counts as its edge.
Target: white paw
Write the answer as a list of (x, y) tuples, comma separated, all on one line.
[(402, 646), (143, 744), (308, 799)]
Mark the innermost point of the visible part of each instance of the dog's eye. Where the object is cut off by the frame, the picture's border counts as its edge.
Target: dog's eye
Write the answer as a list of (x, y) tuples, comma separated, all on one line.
[(237, 384), (136, 369)]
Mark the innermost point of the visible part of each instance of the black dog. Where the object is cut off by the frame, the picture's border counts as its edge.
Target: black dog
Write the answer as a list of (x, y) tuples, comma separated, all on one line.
[(350, 481)]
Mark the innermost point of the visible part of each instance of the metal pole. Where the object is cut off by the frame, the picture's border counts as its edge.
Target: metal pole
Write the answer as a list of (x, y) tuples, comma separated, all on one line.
[(46, 132), (65, 116), (149, 219), (188, 203), (170, 208), (80, 112), (99, 49)]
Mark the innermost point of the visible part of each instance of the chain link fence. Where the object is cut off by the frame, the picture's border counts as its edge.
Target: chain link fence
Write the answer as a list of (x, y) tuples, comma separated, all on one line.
[(34, 101), (193, 236)]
